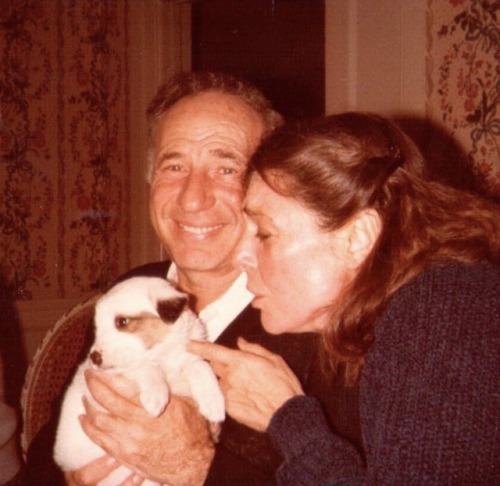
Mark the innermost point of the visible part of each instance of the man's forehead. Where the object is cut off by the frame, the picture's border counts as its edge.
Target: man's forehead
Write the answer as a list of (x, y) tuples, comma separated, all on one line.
[(215, 99), (229, 128)]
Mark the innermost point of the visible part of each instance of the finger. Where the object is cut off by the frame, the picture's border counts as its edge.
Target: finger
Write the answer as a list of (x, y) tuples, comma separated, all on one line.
[(110, 398), (116, 383), (95, 414), (213, 352), (219, 369), (133, 480), (99, 430), (101, 427), (261, 351), (254, 348), (90, 409), (93, 472)]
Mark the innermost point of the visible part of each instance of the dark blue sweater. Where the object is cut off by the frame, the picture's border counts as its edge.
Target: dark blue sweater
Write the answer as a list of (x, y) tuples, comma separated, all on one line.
[(429, 393)]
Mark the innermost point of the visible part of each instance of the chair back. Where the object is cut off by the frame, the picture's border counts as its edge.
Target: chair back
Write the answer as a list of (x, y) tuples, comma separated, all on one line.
[(64, 346)]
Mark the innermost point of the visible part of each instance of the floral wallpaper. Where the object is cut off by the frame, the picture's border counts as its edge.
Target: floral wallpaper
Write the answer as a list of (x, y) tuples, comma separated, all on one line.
[(465, 56), (64, 165)]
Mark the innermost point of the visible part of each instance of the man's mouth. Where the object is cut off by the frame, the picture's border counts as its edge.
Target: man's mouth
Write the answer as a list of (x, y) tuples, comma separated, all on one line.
[(199, 230)]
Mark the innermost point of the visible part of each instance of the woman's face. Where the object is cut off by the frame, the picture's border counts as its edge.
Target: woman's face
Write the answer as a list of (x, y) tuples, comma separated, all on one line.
[(295, 269)]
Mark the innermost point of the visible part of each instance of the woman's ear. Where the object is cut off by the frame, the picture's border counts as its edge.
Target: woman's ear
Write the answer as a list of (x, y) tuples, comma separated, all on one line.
[(364, 230)]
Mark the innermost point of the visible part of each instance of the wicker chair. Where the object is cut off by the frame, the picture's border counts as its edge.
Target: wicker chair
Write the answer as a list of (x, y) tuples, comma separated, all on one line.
[(62, 349)]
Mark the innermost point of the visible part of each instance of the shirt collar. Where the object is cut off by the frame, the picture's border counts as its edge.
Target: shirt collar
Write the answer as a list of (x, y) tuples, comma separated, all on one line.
[(221, 312)]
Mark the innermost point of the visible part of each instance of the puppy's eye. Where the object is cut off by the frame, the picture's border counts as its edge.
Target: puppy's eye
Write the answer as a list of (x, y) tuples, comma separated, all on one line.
[(122, 322)]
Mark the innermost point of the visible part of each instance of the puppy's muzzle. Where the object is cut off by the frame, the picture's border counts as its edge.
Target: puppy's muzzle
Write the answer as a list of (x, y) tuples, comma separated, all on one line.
[(96, 358)]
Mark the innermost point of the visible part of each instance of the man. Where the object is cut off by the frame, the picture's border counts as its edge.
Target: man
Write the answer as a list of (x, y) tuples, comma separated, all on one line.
[(204, 129)]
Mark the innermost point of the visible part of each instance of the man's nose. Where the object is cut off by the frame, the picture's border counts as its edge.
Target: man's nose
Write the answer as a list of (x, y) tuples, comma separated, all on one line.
[(197, 192)]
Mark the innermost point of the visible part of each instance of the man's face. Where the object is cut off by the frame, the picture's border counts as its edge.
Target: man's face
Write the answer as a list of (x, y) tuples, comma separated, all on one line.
[(201, 149)]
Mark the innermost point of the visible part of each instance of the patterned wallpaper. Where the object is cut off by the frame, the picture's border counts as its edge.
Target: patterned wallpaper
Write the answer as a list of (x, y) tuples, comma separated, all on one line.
[(465, 81), (64, 164)]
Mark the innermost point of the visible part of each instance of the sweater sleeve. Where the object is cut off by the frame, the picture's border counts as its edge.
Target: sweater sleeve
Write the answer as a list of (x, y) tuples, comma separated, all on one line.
[(311, 451), (430, 393)]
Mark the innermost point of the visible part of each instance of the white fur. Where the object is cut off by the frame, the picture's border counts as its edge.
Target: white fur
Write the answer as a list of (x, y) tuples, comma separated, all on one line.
[(165, 367)]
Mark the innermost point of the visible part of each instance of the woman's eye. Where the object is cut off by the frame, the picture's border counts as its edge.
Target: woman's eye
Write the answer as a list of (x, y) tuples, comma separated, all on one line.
[(262, 236), (121, 322)]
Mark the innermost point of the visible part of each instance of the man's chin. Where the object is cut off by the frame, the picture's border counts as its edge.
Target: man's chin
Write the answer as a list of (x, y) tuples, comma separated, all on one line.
[(202, 263)]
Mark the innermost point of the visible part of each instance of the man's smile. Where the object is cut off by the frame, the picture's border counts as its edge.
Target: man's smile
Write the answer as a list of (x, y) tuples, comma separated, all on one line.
[(199, 230)]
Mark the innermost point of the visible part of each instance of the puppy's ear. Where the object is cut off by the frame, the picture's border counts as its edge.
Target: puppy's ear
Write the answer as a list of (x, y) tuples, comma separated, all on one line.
[(169, 310)]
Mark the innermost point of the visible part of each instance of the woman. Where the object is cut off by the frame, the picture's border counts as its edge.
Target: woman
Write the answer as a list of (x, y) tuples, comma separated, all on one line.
[(400, 275)]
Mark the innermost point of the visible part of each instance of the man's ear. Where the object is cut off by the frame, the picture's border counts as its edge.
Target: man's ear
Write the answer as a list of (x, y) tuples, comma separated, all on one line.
[(363, 232)]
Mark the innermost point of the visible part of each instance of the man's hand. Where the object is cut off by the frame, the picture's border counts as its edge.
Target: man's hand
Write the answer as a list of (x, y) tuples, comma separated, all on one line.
[(255, 382), (91, 473), (174, 448)]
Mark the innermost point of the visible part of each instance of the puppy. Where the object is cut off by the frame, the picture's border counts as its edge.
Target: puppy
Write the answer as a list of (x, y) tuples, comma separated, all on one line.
[(142, 326)]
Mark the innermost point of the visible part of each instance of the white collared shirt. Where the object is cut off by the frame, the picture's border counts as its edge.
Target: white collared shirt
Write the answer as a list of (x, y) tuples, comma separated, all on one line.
[(221, 312)]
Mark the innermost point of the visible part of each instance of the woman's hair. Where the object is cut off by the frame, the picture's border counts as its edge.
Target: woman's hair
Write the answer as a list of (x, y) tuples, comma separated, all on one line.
[(343, 164)]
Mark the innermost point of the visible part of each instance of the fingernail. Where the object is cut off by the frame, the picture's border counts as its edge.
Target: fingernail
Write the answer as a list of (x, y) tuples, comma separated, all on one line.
[(111, 461)]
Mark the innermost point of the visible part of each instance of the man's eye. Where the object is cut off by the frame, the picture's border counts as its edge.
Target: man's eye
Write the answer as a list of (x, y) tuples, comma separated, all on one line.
[(227, 171), (170, 168)]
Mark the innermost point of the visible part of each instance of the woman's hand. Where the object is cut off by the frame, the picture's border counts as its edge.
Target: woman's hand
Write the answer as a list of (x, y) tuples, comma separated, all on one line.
[(255, 382), (174, 448)]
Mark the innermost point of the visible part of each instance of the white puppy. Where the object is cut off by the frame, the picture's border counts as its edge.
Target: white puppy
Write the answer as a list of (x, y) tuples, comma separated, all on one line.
[(142, 326)]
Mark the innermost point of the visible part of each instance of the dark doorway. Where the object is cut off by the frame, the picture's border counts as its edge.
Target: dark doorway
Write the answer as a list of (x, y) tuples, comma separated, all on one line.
[(277, 44)]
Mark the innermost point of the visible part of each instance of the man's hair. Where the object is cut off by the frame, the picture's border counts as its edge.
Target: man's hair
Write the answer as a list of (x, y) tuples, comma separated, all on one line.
[(183, 85), (189, 84), (344, 164)]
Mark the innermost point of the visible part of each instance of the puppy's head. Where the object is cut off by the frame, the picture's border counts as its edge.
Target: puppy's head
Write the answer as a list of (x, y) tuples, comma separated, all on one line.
[(132, 318)]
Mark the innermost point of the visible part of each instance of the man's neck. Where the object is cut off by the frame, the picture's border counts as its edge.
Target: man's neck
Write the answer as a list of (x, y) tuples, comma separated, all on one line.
[(205, 287)]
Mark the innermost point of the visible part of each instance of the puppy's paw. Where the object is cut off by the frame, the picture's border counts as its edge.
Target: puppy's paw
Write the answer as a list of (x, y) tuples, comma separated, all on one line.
[(155, 402), (215, 428), (211, 406)]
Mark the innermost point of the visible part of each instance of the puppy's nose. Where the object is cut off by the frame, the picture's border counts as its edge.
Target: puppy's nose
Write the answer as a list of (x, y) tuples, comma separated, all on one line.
[(96, 358)]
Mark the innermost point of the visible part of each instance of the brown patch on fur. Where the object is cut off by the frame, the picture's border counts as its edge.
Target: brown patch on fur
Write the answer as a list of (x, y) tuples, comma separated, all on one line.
[(170, 310), (148, 327)]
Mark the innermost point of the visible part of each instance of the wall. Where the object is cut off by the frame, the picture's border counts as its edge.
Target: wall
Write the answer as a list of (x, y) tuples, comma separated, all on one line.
[(278, 45), (434, 65), (75, 81)]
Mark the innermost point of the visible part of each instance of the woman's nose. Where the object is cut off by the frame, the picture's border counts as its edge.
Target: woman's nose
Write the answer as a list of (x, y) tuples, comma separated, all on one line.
[(245, 253)]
